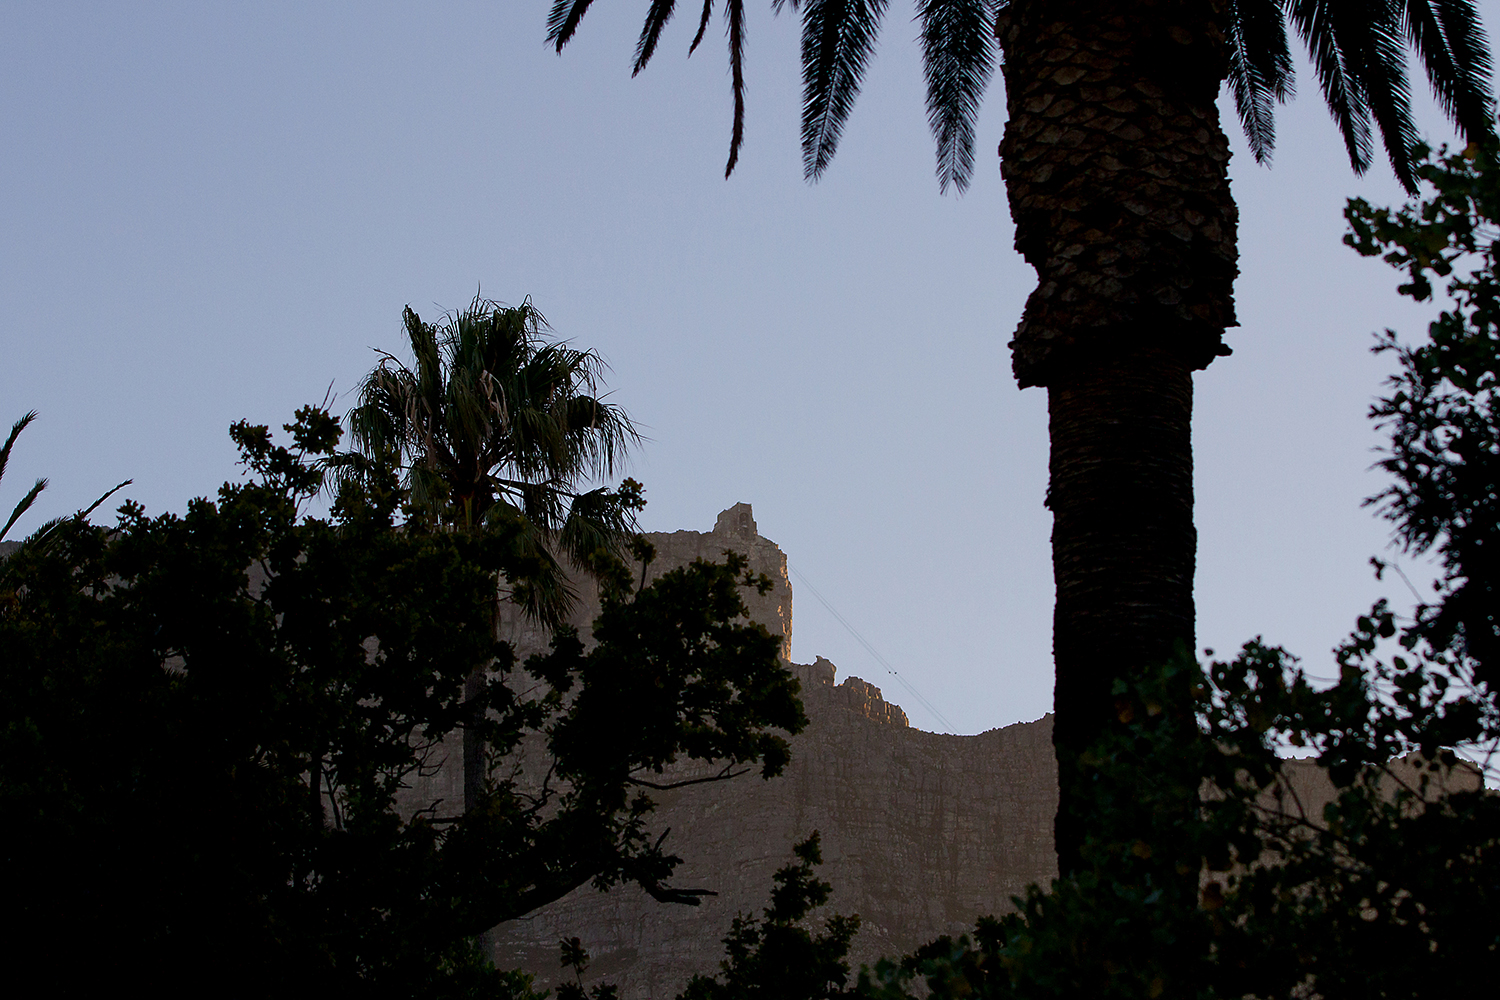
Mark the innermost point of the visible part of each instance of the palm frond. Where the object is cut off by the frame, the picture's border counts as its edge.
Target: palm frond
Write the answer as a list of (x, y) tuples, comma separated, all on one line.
[(603, 433), (545, 506), (430, 491), (657, 16), (734, 13), (380, 421), (838, 37), (36, 489), (1261, 71), (346, 467), (25, 505), (10, 442), (83, 514), (595, 524), (45, 536), (708, 11), (1359, 51), (1317, 25), (1447, 37), (958, 57), (1387, 90), (545, 594), (563, 20)]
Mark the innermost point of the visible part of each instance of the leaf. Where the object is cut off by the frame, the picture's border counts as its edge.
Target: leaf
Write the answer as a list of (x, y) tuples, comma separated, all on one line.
[(838, 37), (958, 58)]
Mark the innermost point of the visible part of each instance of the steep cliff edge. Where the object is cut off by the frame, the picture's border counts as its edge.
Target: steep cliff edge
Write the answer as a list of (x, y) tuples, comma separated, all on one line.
[(921, 832)]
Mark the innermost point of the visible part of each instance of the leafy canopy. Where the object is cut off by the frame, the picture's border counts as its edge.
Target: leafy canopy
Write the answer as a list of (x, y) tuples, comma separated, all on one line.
[(1443, 413), (209, 723)]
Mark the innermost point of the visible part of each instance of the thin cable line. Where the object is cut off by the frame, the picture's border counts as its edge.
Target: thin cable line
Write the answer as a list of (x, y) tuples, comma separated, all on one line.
[(872, 651), (1405, 580), (1381, 566)]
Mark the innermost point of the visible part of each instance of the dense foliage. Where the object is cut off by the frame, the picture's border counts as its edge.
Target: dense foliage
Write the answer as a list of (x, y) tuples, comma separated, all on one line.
[(772, 957), (206, 719), (1444, 415), (776, 955)]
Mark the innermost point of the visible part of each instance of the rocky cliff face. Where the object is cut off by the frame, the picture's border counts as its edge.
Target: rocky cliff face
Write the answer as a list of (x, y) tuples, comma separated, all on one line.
[(735, 530), (921, 832)]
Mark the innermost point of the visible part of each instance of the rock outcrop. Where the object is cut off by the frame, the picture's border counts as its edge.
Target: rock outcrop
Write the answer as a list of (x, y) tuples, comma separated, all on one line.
[(921, 832)]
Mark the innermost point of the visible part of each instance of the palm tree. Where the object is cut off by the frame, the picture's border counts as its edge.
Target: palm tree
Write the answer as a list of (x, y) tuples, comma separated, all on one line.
[(495, 422), (1115, 166)]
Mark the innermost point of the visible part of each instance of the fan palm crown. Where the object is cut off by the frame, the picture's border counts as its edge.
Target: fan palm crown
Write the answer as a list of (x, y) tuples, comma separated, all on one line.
[(494, 419)]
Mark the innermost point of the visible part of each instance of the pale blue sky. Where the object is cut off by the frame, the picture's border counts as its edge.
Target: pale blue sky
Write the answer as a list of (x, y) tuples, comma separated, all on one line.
[(215, 211)]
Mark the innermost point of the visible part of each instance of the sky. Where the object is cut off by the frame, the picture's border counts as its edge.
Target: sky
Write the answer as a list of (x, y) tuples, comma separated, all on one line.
[(218, 211)]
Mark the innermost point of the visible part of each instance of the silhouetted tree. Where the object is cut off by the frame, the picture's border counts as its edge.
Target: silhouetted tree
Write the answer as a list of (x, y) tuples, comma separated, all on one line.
[(1444, 413), (772, 957), (205, 722), (1116, 170), (1393, 887), (494, 422)]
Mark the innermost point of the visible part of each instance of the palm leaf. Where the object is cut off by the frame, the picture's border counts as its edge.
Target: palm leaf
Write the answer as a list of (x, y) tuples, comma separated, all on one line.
[(1447, 37), (83, 514), (1385, 84), (657, 16), (10, 442), (595, 525), (958, 56), (36, 488), (1315, 23), (1359, 51), (734, 11), (708, 10), (24, 505), (1260, 70), (563, 20), (838, 37)]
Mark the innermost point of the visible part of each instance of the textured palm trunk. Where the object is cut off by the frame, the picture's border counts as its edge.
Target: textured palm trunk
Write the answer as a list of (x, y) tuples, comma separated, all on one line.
[(1123, 550), (476, 773), (474, 501), (476, 778), (473, 742), (1117, 173), (475, 785)]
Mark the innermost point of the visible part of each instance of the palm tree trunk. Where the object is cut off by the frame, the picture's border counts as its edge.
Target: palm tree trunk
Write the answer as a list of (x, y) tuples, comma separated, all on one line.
[(476, 776), (1123, 549), (1117, 174), (473, 741), (476, 772)]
